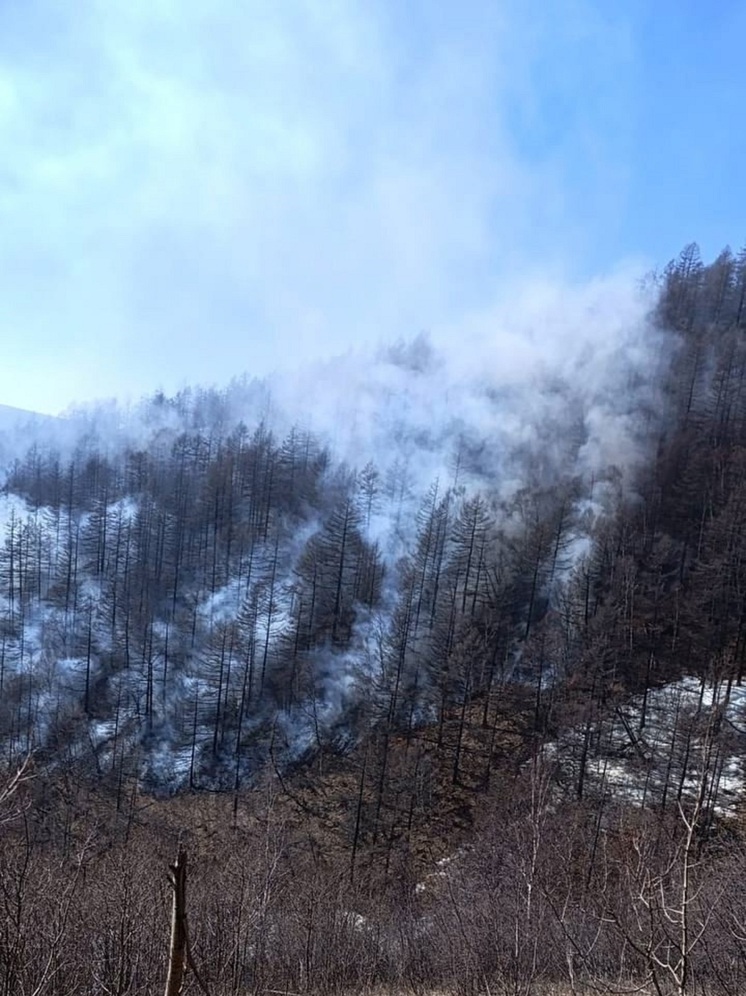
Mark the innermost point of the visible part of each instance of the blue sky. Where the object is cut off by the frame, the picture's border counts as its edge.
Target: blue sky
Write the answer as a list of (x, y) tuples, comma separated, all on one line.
[(191, 190)]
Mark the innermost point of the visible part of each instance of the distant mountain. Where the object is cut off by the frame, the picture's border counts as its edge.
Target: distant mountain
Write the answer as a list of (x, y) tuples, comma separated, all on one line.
[(20, 429), (11, 417)]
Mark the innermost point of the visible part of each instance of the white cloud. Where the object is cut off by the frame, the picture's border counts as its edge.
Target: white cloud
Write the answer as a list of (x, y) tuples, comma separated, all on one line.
[(194, 189)]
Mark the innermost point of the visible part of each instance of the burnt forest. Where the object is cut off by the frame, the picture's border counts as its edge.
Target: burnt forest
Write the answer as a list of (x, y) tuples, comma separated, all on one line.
[(437, 677)]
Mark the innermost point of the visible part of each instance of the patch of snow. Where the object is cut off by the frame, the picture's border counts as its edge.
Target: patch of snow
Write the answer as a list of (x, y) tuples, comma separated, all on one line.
[(670, 743)]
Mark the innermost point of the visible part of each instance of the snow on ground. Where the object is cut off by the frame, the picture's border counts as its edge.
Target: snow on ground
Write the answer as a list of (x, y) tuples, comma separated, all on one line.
[(679, 739)]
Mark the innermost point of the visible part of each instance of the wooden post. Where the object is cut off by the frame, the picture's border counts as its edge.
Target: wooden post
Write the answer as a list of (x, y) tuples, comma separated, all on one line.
[(178, 948)]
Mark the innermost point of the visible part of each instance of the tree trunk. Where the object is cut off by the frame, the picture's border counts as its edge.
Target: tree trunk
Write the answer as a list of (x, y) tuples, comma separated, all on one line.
[(178, 948)]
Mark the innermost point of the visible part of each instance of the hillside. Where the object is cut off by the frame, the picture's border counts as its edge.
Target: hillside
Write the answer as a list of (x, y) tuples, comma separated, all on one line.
[(466, 714)]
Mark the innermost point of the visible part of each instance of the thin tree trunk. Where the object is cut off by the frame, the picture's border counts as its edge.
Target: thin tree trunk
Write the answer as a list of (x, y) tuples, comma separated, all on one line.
[(180, 953), (178, 948)]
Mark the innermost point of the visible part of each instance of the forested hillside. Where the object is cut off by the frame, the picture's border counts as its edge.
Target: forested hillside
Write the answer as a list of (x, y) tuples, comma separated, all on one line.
[(447, 700), (183, 589)]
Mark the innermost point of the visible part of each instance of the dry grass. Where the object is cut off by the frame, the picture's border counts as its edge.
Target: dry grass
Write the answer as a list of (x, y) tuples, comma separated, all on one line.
[(423, 809)]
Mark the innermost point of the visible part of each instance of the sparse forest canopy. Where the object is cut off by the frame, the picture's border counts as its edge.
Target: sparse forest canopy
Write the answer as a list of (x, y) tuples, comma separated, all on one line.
[(480, 730)]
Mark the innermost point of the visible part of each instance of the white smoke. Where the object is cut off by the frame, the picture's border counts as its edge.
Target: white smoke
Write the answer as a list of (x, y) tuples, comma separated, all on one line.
[(552, 379)]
